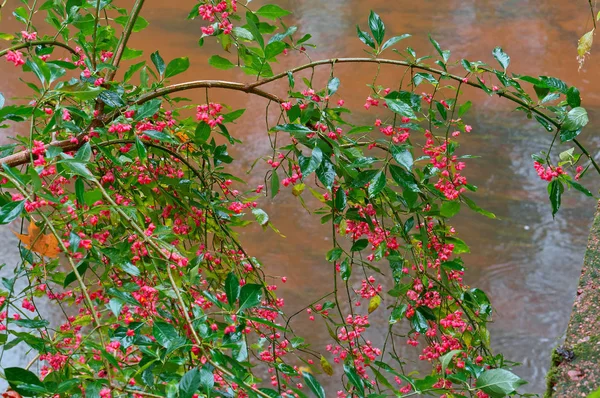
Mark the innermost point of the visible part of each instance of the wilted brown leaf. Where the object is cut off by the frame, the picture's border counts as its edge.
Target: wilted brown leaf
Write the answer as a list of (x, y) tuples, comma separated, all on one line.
[(44, 245)]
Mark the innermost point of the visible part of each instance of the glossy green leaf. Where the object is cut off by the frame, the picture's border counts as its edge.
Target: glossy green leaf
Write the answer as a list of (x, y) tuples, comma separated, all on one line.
[(377, 184), (148, 109), (498, 383), (576, 119), (250, 296), (333, 85), (158, 62), (390, 42), (261, 217), (555, 191), (177, 66), (164, 333), (189, 383), (403, 156), (502, 58), (10, 211), (377, 27), (314, 385), (450, 209), (311, 164), (272, 11), (355, 380), (365, 37), (219, 62)]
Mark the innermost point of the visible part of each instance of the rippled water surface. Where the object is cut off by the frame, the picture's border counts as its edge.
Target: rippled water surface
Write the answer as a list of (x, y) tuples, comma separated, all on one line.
[(527, 262)]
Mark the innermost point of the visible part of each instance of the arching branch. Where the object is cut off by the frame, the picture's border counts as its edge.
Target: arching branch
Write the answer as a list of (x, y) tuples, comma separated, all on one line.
[(38, 43), (252, 88)]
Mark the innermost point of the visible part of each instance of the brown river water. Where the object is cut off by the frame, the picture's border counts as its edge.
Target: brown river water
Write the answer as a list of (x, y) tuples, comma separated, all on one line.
[(527, 262)]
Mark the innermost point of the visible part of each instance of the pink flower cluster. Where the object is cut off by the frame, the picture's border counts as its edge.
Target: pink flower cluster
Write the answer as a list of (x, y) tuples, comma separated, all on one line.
[(221, 11), (209, 113), (548, 173)]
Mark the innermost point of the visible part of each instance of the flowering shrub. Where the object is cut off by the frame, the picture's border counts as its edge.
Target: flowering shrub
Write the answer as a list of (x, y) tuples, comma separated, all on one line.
[(133, 213)]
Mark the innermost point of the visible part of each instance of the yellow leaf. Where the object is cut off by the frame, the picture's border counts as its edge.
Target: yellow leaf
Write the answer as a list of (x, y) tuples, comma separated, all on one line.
[(44, 245), (298, 189), (374, 303), (585, 43), (326, 366), (306, 369)]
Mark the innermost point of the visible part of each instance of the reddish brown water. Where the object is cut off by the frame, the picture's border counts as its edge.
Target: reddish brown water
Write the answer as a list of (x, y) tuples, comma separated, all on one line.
[(527, 262)]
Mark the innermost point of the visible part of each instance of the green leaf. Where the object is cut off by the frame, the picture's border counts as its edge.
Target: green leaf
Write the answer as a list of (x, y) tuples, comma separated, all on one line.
[(81, 91), (576, 119), (314, 385), (232, 116), (17, 377), (250, 296), (377, 184), (177, 66), (158, 135), (274, 184), (555, 191), (502, 58), (148, 109), (310, 165), (394, 40), (77, 168), (140, 22), (450, 209), (261, 217), (498, 383), (202, 132), (140, 148), (164, 333), (293, 128), (594, 394), (464, 108), (129, 268), (580, 188), (566, 136), (84, 153), (447, 358), (274, 49), (207, 380), (334, 254), (377, 27), (365, 37), (232, 288), (10, 211), (189, 383), (158, 62), (359, 245), (132, 69), (32, 323), (355, 380), (271, 11), (253, 28), (219, 62), (573, 97), (403, 156), (445, 54), (419, 322), (400, 107), (333, 85), (340, 199), (403, 178), (326, 173)]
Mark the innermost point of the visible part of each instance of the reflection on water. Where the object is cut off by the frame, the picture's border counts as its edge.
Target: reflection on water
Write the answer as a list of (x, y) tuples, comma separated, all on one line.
[(527, 262)]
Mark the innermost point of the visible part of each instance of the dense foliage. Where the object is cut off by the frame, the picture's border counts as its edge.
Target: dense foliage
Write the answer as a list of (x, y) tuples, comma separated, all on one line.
[(132, 211)]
